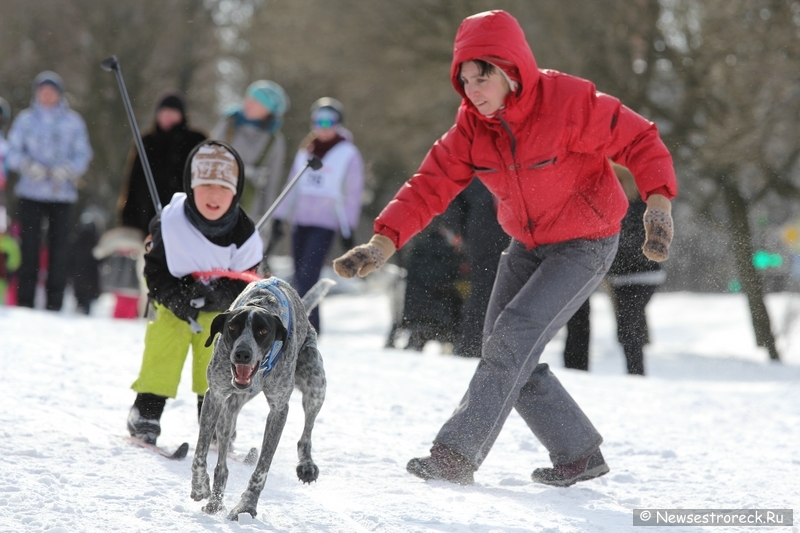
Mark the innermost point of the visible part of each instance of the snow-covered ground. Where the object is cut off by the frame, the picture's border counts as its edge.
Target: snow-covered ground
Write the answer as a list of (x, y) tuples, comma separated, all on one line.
[(713, 425)]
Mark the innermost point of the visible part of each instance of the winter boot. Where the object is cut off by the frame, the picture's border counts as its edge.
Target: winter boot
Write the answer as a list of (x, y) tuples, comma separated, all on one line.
[(569, 474), (445, 464), (144, 418)]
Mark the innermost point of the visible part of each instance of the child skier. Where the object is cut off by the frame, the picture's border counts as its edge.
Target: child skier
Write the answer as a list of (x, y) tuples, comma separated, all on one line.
[(201, 230)]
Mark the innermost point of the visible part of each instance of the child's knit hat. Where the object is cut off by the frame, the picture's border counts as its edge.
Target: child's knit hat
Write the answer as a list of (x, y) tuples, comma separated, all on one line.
[(215, 164)]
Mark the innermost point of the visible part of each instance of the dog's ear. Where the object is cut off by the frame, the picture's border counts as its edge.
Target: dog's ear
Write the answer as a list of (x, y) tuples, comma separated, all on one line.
[(216, 327), (280, 330)]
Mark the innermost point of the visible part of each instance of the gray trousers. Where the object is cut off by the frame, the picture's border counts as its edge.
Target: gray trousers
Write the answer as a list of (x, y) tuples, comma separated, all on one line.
[(534, 295)]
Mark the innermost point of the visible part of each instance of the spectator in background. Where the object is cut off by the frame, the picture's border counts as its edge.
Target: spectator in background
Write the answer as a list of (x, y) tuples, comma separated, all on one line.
[(576, 345), (484, 240), (324, 201), (49, 148), (431, 300), (5, 118), (8, 247), (254, 131), (167, 145), (83, 266), (632, 281)]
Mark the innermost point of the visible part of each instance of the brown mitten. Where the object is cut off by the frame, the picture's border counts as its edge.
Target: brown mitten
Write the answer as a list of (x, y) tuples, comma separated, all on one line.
[(365, 258), (658, 228)]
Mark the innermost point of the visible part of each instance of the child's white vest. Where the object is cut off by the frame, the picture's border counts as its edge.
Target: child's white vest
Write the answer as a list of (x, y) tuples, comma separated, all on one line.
[(188, 250)]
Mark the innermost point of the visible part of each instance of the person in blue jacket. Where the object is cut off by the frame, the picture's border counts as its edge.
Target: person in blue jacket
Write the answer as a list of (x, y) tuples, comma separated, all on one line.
[(49, 148)]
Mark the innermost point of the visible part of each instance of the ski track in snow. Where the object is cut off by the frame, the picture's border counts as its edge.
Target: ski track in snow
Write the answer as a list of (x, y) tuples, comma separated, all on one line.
[(714, 425)]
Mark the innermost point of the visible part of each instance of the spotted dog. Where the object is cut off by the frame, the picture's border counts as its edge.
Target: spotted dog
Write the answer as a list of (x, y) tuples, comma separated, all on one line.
[(265, 345)]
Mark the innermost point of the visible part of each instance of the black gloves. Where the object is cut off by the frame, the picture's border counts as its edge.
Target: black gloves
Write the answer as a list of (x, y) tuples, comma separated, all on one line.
[(222, 292), (216, 296), (178, 303)]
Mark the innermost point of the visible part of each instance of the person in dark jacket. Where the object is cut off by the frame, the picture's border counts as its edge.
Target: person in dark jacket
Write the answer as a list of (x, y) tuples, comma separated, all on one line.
[(474, 217), (432, 302), (633, 279), (84, 268), (576, 345), (541, 142), (198, 235), (167, 145)]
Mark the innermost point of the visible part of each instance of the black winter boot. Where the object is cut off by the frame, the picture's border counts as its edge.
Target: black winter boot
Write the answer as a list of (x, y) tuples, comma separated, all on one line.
[(445, 464), (569, 474), (144, 418)]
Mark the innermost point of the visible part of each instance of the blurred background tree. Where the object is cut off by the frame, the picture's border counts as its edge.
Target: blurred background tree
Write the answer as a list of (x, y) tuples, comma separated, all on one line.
[(720, 79)]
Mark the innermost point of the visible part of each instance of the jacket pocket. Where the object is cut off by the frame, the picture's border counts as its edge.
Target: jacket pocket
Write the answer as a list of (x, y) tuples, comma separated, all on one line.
[(546, 162), (483, 170)]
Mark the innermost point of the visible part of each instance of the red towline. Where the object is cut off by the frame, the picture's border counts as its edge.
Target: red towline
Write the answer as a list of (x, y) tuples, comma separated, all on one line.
[(211, 274)]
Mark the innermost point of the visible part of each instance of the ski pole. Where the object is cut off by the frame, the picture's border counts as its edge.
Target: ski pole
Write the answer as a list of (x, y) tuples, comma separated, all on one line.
[(315, 163), (112, 64)]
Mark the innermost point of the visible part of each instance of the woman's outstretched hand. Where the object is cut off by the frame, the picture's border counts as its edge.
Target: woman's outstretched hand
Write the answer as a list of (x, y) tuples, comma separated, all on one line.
[(365, 258), (658, 228)]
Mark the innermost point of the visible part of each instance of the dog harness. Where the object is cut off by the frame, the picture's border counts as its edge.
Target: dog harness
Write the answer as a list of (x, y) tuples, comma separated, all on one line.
[(271, 284)]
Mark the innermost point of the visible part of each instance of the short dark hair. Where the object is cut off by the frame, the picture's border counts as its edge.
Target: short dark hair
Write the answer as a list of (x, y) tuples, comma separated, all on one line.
[(484, 67)]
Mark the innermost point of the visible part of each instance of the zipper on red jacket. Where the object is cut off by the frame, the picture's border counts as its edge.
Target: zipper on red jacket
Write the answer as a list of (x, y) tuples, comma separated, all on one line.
[(513, 139), (529, 224)]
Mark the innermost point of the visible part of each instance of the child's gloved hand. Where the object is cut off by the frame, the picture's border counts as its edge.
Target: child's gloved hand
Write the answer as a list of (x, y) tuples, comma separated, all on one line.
[(365, 258), (181, 307), (222, 292), (658, 228)]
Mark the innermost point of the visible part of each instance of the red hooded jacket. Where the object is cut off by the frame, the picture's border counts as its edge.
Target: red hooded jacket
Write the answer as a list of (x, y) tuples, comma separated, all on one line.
[(544, 155)]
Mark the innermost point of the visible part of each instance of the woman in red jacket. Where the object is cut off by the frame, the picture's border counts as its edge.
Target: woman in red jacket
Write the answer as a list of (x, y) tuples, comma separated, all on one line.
[(541, 142)]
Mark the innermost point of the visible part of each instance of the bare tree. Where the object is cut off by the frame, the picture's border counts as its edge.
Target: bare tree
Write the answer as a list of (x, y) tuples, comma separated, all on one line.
[(734, 68)]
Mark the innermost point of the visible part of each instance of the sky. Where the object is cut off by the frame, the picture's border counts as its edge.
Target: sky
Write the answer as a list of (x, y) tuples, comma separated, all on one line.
[(714, 425)]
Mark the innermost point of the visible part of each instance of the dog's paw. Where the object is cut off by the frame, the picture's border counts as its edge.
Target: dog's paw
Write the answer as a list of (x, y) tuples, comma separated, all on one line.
[(242, 508), (307, 471), (213, 507), (200, 494), (201, 489)]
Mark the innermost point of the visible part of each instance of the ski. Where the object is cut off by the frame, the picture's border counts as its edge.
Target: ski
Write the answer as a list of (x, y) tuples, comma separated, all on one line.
[(180, 453)]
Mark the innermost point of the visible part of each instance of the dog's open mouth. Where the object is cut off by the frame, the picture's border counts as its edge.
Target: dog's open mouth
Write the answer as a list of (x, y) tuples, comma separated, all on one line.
[(243, 374)]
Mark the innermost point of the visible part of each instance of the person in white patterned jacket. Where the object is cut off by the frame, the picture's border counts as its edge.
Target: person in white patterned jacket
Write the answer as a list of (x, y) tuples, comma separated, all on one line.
[(49, 148)]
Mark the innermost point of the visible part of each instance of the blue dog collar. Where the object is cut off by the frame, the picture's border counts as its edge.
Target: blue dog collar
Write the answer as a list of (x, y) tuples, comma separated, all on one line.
[(271, 284)]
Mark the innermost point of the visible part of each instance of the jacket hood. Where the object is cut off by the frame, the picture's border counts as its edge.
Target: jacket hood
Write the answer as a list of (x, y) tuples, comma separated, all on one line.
[(495, 34), (48, 76)]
